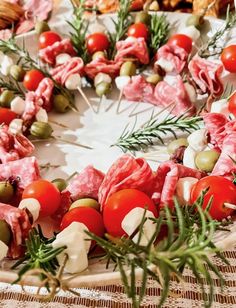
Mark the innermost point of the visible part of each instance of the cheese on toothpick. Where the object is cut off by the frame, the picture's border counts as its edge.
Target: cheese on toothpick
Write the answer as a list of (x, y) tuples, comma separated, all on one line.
[(6, 65), (42, 115), (16, 126), (122, 81), (18, 105), (32, 205), (62, 58), (102, 77), (198, 139), (189, 157), (183, 189), (73, 82)]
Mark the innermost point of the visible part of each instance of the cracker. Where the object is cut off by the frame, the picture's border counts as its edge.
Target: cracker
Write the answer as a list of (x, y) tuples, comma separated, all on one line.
[(200, 5)]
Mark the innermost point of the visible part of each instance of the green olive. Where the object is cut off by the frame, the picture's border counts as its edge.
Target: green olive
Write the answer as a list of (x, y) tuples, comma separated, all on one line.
[(206, 160), (6, 192), (143, 17), (61, 184), (85, 202), (60, 103), (98, 54), (5, 232), (103, 88), (41, 130), (41, 26), (195, 20), (6, 97), (17, 72), (128, 68), (154, 79), (175, 144)]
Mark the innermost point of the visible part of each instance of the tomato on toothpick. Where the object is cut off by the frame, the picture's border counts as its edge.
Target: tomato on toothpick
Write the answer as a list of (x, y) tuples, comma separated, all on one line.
[(228, 58), (232, 104), (120, 204), (97, 42), (221, 190), (32, 79), (181, 40), (46, 193), (48, 38), (6, 116), (138, 30)]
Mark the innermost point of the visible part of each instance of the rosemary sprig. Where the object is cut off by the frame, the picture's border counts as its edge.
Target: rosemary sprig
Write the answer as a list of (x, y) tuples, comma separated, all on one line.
[(215, 45), (39, 254), (159, 31), (124, 20), (189, 247), (12, 86), (154, 131), (80, 27)]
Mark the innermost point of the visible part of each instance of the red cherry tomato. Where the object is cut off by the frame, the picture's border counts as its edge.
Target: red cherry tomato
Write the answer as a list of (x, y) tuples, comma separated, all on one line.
[(86, 215), (232, 104), (48, 38), (6, 116), (181, 40), (32, 79), (46, 193), (138, 30), (97, 42), (137, 5), (121, 203), (228, 58), (221, 189)]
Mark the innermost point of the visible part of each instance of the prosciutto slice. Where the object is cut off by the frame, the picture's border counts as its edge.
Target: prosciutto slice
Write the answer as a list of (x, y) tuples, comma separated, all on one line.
[(26, 170), (206, 74), (127, 172), (49, 54), (177, 56), (167, 177), (103, 65), (62, 72), (18, 220), (132, 47), (86, 183), (44, 92)]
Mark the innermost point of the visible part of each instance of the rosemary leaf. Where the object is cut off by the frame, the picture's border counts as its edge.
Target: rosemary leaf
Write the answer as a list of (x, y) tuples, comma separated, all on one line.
[(159, 32)]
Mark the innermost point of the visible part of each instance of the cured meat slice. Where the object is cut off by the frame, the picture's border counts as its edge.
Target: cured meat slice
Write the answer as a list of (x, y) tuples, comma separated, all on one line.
[(206, 74), (86, 183), (167, 177), (177, 56), (62, 72), (127, 172), (175, 93), (32, 105), (13, 147), (64, 206), (18, 220), (103, 65), (132, 47), (44, 92), (49, 54), (25, 169)]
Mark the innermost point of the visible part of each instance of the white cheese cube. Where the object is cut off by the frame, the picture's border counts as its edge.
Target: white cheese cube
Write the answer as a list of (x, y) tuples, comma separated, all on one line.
[(16, 126), (183, 189), (131, 39), (166, 65), (220, 106), (122, 81), (18, 105), (198, 139), (133, 219), (192, 94), (42, 115), (73, 82), (101, 77), (97, 27), (6, 65), (192, 32), (62, 58), (189, 157), (3, 250), (32, 205)]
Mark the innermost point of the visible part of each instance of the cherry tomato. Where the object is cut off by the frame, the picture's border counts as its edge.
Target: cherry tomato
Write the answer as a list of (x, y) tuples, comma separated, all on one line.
[(138, 30), (221, 189), (121, 203), (97, 42), (6, 116), (232, 104), (137, 5), (228, 58), (46, 193), (48, 38), (88, 216), (181, 40), (32, 79)]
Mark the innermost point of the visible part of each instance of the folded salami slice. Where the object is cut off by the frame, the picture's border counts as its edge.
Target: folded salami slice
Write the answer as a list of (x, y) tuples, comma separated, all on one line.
[(103, 65), (32, 105), (62, 72), (167, 177), (132, 47), (177, 57), (127, 172), (44, 92), (49, 54), (25, 169), (175, 93), (86, 183), (206, 74), (18, 220), (64, 206)]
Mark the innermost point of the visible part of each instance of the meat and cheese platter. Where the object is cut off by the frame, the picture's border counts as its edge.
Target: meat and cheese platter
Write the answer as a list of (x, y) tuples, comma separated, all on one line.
[(117, 149)]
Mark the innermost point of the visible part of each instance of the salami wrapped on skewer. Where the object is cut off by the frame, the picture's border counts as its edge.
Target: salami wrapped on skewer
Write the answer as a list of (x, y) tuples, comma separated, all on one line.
[(103, 65)]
